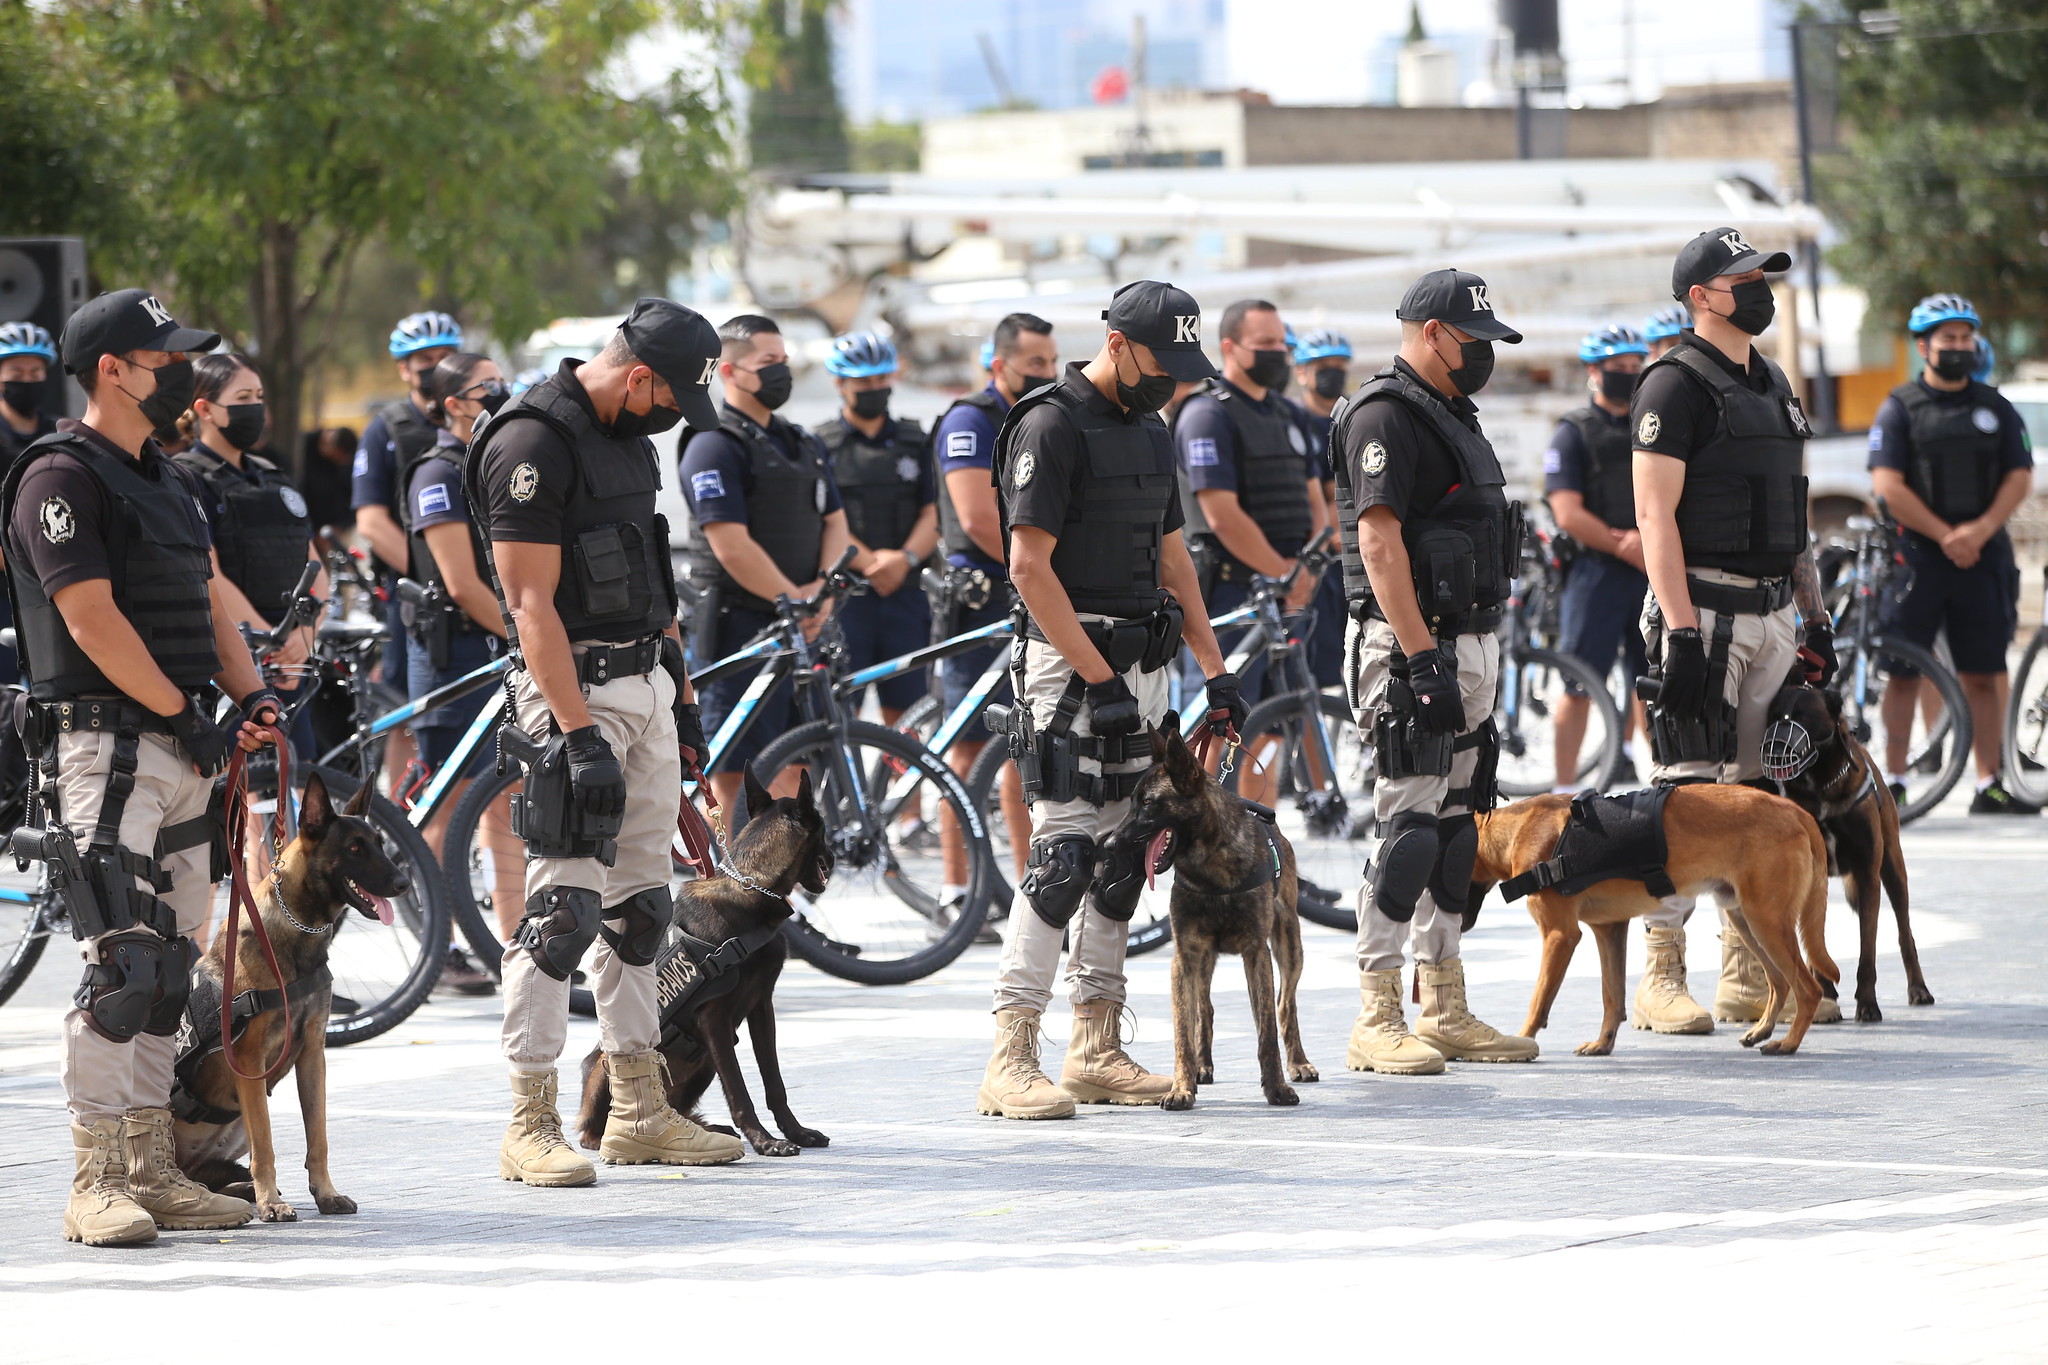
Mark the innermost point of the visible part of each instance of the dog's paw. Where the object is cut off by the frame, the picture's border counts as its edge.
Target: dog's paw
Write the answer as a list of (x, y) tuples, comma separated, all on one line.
[(807, 1137), (1755, 1036), (1919, 995), (1599, 1047), (1781, 1048), (335, 1203), (276, 1211), (1867, 1012), (1206, 1076), (1303, 1073), (239, 1189), (1178, 1099), (774, 1146), (1282, 1095)]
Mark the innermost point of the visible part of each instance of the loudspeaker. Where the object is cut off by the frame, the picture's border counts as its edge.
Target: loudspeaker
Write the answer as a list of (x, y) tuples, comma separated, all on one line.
[(42, 280)]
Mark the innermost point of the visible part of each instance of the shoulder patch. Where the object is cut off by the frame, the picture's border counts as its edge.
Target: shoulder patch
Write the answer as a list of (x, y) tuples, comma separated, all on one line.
[(434, 499), (1373, 458), (1027, 465), (293, 502), (1553, 461), (524, 483), (362, 464), (1648, 427), (58, 524), (707, 483), (1985, 420), (1201, 452), (962, 445), (1296, 439), (1876, 437)]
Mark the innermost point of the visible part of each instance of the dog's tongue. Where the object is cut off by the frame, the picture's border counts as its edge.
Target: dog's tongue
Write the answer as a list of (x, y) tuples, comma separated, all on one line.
[(1155, 856), (382, 907)]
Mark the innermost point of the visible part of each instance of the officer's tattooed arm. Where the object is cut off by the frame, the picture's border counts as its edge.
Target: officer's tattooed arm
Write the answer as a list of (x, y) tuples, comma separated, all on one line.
[(1806, 587)]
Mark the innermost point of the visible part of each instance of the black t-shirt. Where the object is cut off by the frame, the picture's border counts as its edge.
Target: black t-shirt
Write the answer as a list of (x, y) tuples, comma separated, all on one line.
[(62, 511), (1398, 460), (1044, 461), (526, 472), (1673, 412)]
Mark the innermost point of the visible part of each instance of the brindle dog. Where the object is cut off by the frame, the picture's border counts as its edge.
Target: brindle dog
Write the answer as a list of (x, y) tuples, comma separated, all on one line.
[(1846, 795), (336, 864), (782, 846), (1217, 844)]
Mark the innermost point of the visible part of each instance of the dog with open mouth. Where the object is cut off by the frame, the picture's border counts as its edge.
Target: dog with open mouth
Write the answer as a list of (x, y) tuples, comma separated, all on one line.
[(335, 865)]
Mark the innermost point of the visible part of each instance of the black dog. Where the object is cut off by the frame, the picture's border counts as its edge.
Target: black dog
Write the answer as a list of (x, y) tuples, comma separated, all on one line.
[(1826, 771), (722, 972)]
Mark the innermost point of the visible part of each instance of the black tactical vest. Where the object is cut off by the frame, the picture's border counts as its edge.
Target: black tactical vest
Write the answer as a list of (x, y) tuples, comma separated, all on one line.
[(616, 582), (263, 533), (412, 436), (1107, 555), (877, 483), (785, 512), (953, 537), (1463, 549), (1954, 465), (1610, 463), (424, 568), (156, 554), (1743, 509), (1272, 471)]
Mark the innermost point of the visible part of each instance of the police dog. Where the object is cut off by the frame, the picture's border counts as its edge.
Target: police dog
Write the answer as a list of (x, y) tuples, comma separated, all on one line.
[(1747, 847), (1827, 773), (782, 846), (1234, 891), (335, 865)]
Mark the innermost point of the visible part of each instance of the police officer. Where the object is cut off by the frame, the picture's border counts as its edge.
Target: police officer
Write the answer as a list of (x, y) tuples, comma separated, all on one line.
[(1429, 554), (563, 483), (1085, 471), (1721, 508), (26, 355), (109, 571), (884, 474), (1663, 328), (1950, 457), (769, 523), (1322, 366)]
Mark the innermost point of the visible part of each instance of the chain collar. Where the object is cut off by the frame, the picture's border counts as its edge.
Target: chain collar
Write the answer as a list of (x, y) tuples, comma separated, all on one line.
[(743, 879), (277, 899)]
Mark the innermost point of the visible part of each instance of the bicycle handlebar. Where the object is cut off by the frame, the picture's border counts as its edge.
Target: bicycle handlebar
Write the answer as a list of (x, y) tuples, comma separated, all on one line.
[(841, 581), (1313, 557), (304, 610)]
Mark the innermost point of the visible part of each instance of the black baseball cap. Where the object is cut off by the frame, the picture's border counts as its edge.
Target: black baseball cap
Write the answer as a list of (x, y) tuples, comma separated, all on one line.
[(1166, 321), (681, 346), (123, 321), (1458, 297), (1720, 251)]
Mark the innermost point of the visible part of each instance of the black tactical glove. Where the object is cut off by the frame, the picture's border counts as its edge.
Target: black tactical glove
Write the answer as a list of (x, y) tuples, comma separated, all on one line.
[(1227, 710), (1817, 654), (1112, 708), (596, 780), (1682, 693), (257, 700), (206, 743), (690, 735), (1434, 681)]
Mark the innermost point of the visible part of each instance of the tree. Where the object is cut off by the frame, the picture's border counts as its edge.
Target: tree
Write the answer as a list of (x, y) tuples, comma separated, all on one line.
[(794, 123), (1944, 184), (47, 173)]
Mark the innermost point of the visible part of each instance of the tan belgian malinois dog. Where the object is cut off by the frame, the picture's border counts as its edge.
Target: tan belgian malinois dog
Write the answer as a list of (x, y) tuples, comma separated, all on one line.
[(1749, 849)]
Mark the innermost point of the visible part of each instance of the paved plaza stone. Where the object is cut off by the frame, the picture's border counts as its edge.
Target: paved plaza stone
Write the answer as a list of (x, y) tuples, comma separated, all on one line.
[(1881, 1196)]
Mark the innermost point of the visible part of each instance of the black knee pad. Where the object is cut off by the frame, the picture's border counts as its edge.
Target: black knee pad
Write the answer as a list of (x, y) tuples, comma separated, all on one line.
[(119, 992), (1059, 874), (174, 987), (1457, 850), (1119, 880), (559, 926), (642, 922), (1402, 866)]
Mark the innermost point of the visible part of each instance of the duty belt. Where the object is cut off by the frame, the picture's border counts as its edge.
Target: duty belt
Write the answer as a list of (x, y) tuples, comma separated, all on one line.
[(1478, 621), (106, 713), (600, 664), (1730, 600), (1126, 644)]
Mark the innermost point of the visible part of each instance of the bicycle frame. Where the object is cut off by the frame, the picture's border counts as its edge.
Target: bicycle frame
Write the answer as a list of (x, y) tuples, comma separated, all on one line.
[(971, 706), (481, 730)]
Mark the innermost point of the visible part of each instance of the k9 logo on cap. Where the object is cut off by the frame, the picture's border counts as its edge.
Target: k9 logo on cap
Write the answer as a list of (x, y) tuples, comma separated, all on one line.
[(158, 314), (1187, 328), (1480, 298), (1737, 245), (710, 371)]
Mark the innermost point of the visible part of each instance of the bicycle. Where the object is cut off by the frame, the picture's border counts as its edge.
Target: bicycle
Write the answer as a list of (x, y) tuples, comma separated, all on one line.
[(1534, 676)]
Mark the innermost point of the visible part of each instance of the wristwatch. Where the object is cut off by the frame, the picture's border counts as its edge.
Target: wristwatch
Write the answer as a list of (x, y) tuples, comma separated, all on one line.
[(913, 562)]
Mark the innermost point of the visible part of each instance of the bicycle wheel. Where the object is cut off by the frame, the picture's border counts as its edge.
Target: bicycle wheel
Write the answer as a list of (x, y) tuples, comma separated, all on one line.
[(1326, 813), (879, 921), (2026, 726), (25, 926), (1532, 681), (1936, 750)]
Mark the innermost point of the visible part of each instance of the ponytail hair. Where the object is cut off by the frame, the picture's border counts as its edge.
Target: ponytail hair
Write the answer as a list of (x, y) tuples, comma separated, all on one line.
[(211, 375), (449, 378)]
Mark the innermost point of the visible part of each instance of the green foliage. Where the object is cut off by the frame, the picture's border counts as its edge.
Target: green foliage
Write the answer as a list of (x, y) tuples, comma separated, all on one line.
[(1944, 181), (794, 120), (884, 147), (45, 168)]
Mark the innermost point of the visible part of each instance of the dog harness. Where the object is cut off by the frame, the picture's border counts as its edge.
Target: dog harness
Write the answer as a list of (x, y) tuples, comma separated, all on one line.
[(1605, 838), (691, 971), (199, 1034), (1265, 869)]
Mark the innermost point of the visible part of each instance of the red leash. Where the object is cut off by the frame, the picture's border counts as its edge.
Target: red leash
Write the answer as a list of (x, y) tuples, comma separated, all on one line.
[(239, 895)]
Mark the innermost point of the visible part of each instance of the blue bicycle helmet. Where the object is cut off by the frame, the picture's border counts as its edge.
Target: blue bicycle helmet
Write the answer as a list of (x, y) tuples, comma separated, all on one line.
[(1321, 344), (861, 355), (1610, 341), (526, 379), (25, 338), (988, 354), (1666, 323), (1936, 309), (421, 331), (1987, 359)]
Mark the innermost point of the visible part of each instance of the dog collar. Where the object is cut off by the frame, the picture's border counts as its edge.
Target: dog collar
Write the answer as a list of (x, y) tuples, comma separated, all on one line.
[(277, 899), (748, 882)]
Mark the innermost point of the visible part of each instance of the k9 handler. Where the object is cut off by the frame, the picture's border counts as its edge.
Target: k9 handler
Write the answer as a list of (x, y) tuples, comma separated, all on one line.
[(1085, 472), (1430, 548), (562, 482), (1721, 506)]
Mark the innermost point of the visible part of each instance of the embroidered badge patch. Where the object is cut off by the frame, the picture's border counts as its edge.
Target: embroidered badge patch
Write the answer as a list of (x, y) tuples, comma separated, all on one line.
[(57, 522), (524, 483), (434, 499), (1985, 420), (293, 503), (1027, 465), (1647, 428), (707, 483), (1201, 453), (1374, 458), (906, 469)]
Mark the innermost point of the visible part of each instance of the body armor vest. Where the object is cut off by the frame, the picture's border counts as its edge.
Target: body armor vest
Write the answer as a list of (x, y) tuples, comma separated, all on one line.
[(1107, 555), (616, 582), (784, 512), (1272, 472), (1954, 465), (1463, 551), (1610, 466), (158, 568), (877, 483), (1743, 509), (953, 537), (263, 532), (423, 568), (412, 436)]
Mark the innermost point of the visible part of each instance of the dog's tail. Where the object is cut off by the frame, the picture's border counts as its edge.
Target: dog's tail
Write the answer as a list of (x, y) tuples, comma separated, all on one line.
[(1813, 915)]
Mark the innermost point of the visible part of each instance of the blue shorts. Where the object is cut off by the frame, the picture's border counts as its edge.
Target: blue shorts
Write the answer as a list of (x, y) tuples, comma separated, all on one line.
[(878, 629), (958, 674), (1599, 614), (441, 729), (776, 712), (1978, 606)]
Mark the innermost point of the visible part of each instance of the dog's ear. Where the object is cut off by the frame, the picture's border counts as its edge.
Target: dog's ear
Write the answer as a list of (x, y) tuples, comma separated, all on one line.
[(806, 799), (1170, 722), (758, 798), (316, 811), (359, 804), (1181, 767)]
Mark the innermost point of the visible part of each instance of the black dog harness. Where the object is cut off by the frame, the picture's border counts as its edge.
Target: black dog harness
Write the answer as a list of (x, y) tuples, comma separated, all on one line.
[(199, 1034), (692, 971), (1265, 869), (1605, 838)]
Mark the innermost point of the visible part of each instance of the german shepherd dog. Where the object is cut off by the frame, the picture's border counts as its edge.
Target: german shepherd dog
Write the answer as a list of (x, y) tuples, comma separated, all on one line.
[(1216, 844), (336, 864), (1748, 848), (782, 846), (1834, 779)]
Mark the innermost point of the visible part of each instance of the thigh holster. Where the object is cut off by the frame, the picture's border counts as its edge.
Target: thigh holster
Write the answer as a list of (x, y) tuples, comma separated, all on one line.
[(641, 923), (1049, 760), (139, 985), (1710, 736), (545, 812), (1058, 876), (1402, 745), (559, 926), (1404, 863), (1482, 792), (1119, 880)]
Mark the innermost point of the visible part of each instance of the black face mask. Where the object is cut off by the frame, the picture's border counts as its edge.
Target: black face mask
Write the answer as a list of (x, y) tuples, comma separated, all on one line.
[(1029, 383), (1618, 386), (175, 385), (1948, 364), (1754, 307), (245, 425), (419, 381), (1151, 393), (1330, 382), (776, 382), (657, 419), (1269, 370), (869, 404), (25, 396), (493, 399), (1475, 367)]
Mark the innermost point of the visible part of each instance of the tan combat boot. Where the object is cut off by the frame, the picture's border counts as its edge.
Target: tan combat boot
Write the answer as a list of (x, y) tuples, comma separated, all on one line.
[(534, 1149), (643, 1130), (166, 1193), (1449, 1026), (1013, 1086), (1662, 1003), (1098, 1070), (1380, 1040), (101, 1211), (1743, 989)]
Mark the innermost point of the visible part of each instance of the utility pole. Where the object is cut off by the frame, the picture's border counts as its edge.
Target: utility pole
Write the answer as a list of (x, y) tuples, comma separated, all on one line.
[(1823, 385)]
